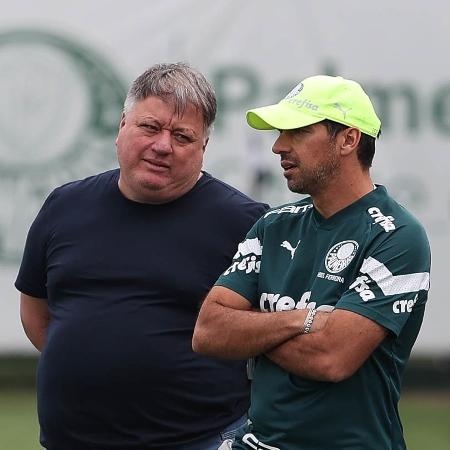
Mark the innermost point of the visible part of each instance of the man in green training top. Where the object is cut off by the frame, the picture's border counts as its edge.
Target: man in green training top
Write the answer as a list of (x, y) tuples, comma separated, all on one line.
[(327, 293)]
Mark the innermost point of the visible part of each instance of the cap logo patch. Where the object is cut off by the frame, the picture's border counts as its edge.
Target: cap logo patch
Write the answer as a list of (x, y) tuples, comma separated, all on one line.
[(339, 107), (295, 91)]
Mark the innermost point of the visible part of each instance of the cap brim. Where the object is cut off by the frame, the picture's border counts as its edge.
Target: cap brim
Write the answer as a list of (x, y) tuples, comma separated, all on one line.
[(279, 117)]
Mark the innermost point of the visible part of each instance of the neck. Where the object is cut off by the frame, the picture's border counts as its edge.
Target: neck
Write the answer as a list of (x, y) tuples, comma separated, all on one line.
[(140, 194), (342, 192)]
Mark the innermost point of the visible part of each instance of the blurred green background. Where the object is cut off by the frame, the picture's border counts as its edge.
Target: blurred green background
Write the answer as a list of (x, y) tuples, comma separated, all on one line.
[(424, 408)]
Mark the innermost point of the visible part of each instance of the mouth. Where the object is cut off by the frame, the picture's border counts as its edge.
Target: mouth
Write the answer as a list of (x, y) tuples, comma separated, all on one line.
[(288, 167), (156, 165)]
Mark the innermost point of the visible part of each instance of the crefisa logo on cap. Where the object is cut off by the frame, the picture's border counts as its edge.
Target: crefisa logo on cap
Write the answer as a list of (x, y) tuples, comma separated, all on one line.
[(294, 91)]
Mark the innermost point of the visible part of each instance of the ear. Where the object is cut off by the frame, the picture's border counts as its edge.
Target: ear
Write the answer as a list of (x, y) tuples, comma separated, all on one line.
[(122, 121), (205, 144), (121, 125), (349, 140)]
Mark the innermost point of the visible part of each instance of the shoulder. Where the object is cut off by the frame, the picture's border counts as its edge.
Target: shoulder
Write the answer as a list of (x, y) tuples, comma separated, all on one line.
[(84, 186), (230, 198), (390, 217), (288, 211), (397, 233)]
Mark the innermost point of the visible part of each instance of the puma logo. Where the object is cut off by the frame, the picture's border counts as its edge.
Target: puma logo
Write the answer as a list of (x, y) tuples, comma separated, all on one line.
[(287, 245), (341, 109)]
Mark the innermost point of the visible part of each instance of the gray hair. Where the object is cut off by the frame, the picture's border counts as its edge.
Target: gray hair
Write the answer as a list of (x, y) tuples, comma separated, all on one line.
[(178, 83)]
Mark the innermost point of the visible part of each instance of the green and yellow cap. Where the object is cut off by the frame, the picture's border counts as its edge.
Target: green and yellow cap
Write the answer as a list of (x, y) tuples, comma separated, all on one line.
[(315, 99)]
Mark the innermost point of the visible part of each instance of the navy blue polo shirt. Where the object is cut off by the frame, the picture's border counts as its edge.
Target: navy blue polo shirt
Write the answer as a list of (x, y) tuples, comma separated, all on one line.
[(124, 282)]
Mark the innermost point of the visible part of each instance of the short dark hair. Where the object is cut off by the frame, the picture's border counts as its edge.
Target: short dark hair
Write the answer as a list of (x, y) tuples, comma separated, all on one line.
[(366, 147), (179, 83)]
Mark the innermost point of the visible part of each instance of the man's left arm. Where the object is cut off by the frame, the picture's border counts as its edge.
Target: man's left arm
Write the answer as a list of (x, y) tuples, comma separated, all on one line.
[(334, 352), (392, 283)]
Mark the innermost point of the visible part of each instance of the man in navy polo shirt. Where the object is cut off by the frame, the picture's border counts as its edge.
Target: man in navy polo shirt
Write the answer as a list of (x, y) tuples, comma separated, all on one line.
[(114, 271)]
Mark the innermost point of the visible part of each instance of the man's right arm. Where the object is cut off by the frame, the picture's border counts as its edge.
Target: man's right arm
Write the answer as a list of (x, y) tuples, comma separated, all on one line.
[(337, 346), (227, 327), (35, 318)]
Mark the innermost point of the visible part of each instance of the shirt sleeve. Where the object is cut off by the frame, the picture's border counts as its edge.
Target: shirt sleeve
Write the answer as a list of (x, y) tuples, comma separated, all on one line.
[(393, 280), (32, 277), (243, 274)]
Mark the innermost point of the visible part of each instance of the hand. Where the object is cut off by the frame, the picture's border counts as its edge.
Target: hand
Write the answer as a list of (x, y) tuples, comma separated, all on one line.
[(320, 321)]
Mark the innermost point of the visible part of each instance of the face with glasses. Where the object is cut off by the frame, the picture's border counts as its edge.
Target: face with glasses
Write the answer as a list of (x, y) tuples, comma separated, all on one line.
[(160, 153)]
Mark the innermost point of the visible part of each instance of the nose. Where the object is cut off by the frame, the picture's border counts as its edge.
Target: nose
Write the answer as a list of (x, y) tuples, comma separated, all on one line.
[(162, 143), (281, 143)]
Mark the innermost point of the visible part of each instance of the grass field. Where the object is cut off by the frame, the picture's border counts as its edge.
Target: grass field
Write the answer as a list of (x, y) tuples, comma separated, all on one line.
[(426, 420), (18, 423)]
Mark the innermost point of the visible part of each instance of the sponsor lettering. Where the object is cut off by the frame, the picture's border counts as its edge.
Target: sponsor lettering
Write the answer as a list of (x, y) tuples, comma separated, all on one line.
[(277, 302), (250, 251), (386, 222), (334, 278), (404, 306), (303, 103), (327, 276), (361, 285), (247, 264), (290, 209)]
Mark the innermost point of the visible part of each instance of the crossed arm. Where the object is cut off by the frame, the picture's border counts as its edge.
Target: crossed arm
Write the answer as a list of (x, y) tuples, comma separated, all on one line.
[(35, 318), (339, 344)]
